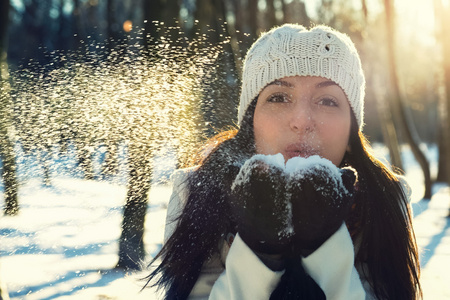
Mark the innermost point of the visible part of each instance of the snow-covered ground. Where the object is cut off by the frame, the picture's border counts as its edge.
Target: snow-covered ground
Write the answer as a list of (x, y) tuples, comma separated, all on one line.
[(64, 242)]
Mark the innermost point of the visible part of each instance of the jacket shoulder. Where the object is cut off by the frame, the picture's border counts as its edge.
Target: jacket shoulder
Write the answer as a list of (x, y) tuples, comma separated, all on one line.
[(178, 198), (181, 175), (406, 188)]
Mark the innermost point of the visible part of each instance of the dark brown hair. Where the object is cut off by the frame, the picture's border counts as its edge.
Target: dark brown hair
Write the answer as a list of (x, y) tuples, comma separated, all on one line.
[(380, 220)]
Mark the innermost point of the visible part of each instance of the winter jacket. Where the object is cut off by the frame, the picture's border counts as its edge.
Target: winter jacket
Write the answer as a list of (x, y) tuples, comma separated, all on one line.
[(237, 273)]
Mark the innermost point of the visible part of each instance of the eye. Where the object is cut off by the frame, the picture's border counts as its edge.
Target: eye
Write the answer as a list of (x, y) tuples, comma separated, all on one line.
[(278, 98), (328, 101)]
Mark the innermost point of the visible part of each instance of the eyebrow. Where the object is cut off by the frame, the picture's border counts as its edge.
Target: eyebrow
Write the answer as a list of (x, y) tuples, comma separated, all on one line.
[(282, 83), (325, 84)]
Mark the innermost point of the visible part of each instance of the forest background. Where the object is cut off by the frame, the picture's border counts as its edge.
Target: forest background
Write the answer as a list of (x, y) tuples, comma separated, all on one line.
[(163, 75)]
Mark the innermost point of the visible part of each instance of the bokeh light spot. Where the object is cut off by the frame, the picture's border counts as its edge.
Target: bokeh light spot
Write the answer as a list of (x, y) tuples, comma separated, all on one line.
[(127, 26)]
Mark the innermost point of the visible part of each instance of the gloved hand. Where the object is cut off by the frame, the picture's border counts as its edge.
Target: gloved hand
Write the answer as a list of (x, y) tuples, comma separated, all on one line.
[(321, 197), (260, 206)]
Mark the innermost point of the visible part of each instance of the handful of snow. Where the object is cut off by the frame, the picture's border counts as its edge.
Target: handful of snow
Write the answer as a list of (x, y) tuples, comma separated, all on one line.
[(295, 169)]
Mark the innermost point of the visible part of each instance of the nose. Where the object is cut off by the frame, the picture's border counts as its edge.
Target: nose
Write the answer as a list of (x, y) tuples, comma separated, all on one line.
[(301, 119)]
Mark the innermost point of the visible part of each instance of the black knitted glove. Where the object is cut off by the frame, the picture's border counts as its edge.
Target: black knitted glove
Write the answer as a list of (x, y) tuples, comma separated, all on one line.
[(259, 204), (321, 197)]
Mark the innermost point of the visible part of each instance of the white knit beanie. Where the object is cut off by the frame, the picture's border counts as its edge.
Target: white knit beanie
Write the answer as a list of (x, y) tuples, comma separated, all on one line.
[(291, 50)]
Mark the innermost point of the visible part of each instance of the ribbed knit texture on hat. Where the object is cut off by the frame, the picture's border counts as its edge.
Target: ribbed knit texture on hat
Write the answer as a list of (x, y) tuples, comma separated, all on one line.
[(291, 50)]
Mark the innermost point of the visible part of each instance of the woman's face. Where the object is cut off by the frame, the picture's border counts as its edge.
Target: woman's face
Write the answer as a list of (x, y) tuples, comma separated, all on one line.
[(302, 116)]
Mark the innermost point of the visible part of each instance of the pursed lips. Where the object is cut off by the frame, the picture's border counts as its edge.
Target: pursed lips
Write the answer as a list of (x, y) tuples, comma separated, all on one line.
[(300, 149)]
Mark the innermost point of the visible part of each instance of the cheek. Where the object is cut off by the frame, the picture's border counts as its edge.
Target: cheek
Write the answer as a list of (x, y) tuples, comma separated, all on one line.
[(259, 127), (336, 137), (265, 133)]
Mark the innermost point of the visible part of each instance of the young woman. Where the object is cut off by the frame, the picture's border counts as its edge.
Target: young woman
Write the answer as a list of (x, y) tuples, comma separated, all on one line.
[(273, 210)]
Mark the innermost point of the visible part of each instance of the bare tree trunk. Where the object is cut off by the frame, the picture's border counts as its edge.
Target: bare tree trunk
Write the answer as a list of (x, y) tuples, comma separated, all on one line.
[(110, 166), (364, 9), (171, 12), (443, 21), (218, 112), (111, 24), (234, 39), (84, 157), (80, 32), (405, 124), (442, 175), (284, 9), (245, 25), (271, 17), (303, 13), (3, 291), (153, 12), (7, 155), (388, 129), (295, 12), (44, 161), (8, 172), (391, 138), (131, 243), (253, 27)]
